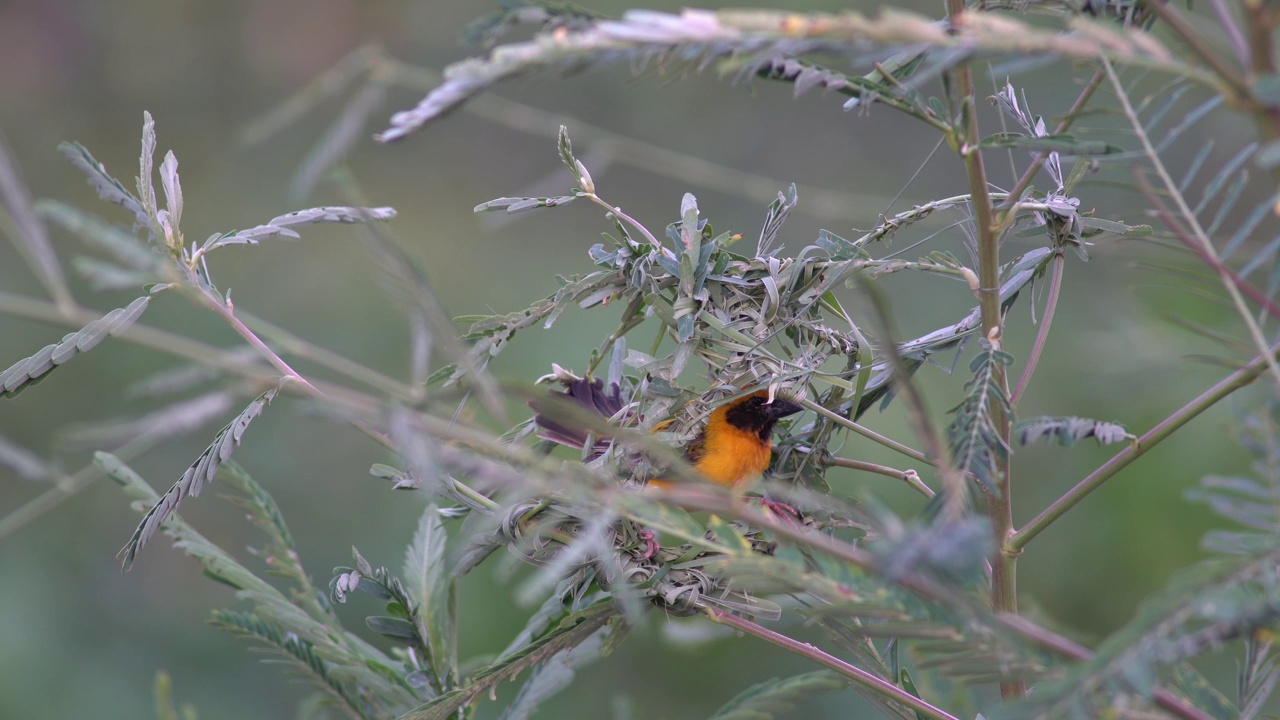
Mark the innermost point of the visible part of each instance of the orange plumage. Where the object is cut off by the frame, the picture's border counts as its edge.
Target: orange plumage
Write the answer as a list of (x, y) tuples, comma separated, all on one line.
[(734, 445)]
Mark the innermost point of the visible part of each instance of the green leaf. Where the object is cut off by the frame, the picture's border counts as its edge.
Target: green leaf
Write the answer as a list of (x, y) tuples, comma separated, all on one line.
[(729, 536), (200, 473), (550, 678), (1069, 430), (514, 205), (976, 442), (31, 370), (146, 192), (108, 188), (283, 225), (277, 622), (392, 627), (767, 700), (1065, 144), (428, 584), (1116, 227), (571, 632)]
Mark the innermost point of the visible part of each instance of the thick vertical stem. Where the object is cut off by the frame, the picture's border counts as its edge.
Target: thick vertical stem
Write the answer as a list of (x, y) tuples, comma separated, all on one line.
[(1260, 22), (1004, 596)]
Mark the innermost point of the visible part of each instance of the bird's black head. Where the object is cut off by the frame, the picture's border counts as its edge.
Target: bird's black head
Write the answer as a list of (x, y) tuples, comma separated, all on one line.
[(754, 413)]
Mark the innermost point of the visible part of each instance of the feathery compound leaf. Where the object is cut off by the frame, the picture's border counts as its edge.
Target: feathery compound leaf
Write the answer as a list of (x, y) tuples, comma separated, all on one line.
[(172, 420), (197, 476), (108, 188), (553, 676), (31, 370), (294, 649), (778, 212), (1065, 144), (1257, 678), (486, 29), (427, 584), (22, 461), (348, 659), (280, 553), (752, 38), (515, 205), (283, 225), (1205, 606), (571, 632), (342, 135), (95, 232), (424, 562), (1069, 430), (768, 699), (975, 441)]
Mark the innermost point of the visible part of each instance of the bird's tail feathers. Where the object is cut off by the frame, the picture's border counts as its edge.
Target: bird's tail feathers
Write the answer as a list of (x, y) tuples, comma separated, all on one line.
[(555, 421)]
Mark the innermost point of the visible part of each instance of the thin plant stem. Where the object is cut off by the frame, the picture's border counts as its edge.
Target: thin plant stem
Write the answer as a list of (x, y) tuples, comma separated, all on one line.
[(1004, 590), (1228, 24), (67, 487), (806, 650), (29, 234), (1042, 334), (1071, 649), (226, 310), (1266, 305), (1206, 249), (628, 219), (138, 334), (1195, 41), (656, 159), (1236, 380), (917, 413), (297, 346), (223, 360), (910, 477), (1260, 22), (722, 504), (845, 422)]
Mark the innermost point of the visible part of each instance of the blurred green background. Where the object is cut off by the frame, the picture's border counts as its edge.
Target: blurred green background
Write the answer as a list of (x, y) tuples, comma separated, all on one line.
[(78, 638)]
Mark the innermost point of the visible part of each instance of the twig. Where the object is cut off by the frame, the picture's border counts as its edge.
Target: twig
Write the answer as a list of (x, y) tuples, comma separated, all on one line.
[(722, 504), (864, 432), (1228, 24), (909, 476), (1004, 593), (226, 311), (1267, 305), (1236, 380), (1196, 43), (856, 674), (1069, 648), (1193, 224), (67, 487), (1042, 335), (295, 345), (917, 412)]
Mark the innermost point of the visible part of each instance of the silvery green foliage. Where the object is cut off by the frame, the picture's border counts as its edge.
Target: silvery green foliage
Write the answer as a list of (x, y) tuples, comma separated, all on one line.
[(200, 473), (31, 370)]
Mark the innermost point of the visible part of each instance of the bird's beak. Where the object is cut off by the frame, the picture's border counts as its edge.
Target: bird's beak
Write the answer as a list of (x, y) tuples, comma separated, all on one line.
[(781, 407)]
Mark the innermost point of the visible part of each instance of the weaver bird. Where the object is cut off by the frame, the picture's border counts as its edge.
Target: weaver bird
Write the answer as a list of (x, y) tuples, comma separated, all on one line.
[(734, 446)]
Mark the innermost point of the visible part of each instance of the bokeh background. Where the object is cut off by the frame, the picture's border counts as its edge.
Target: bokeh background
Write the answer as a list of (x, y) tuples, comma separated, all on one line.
[(78, 638)]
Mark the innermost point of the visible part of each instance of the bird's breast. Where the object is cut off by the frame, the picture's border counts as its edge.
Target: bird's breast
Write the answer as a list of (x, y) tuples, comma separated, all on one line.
[(733, 457)]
